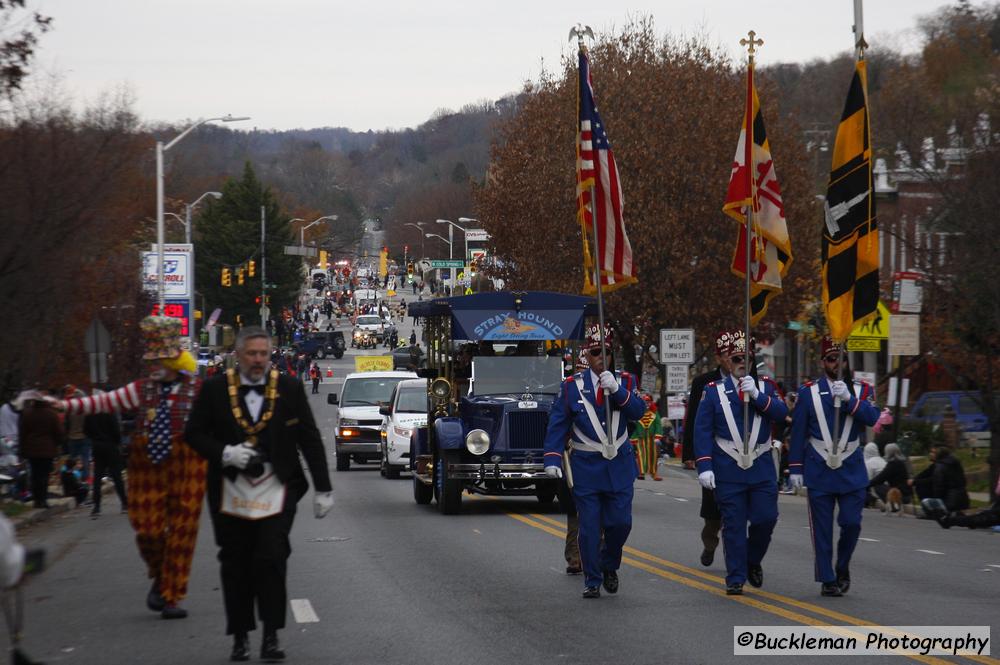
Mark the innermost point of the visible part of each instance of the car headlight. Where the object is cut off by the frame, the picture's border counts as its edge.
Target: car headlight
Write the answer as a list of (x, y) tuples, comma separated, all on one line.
[(348, 422), (402, 431), (440, 388), (477, 442)]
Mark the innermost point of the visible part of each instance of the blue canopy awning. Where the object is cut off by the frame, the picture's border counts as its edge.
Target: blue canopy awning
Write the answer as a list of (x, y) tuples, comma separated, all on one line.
[(511, 316)]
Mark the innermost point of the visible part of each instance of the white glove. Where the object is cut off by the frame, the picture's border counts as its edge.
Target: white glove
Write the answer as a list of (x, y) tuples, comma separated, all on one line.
[(839, 389), (237, 456), (11, 555), (749, 386), (322, 504), (553, 472), (796, 481), (707, 479), (609, 382)]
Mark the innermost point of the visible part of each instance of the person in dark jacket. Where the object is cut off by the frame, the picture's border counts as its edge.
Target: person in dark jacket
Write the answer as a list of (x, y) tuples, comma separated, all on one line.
[(944, 479), (984, 519), (894, 475), (40, 437), (105, 435)]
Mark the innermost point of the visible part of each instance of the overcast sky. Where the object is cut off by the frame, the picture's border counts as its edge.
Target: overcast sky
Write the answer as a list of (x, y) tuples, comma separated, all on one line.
[(373, 64)]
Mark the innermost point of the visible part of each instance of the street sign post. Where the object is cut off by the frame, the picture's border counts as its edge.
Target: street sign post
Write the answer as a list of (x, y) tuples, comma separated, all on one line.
[(97, 344), (904, 335), (447, 263), (677, 346)]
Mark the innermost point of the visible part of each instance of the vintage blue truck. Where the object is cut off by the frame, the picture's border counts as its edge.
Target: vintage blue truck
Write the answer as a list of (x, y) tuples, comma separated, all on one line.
[(495, 363)]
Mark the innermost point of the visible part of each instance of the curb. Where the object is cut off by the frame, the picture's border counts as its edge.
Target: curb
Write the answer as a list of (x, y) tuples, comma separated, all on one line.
[(57, 506)]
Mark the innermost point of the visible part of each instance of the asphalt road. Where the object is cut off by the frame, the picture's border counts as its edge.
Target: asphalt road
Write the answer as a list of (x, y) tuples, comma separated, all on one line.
[(383, 580)]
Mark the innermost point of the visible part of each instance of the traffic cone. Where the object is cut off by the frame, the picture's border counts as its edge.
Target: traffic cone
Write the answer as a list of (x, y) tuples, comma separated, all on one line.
[(329, 372)]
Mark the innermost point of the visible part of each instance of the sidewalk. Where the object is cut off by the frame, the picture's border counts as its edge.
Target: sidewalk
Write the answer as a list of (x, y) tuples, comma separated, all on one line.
[(57, 506)]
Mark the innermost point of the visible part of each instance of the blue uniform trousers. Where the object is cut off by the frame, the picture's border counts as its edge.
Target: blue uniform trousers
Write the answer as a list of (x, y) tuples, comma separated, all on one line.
[(821, 523), (739, 503), (610, 511)]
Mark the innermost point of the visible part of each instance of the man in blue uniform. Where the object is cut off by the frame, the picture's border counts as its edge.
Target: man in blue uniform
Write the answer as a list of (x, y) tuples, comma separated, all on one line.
[(746, 486), (833, 473), (601, 472)]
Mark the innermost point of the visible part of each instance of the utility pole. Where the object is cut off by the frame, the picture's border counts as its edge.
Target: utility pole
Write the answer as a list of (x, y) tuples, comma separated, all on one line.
[(263, 270)]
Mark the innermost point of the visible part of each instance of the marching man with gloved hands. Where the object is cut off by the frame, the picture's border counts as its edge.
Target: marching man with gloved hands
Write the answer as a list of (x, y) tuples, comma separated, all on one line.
[(600, 471), (834, 474), (746, 486)]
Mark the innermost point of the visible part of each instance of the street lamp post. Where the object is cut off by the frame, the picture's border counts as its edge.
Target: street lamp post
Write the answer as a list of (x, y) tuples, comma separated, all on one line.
[(451, 271), (187, 239), (160, 149), (302, 230), (419, 227)]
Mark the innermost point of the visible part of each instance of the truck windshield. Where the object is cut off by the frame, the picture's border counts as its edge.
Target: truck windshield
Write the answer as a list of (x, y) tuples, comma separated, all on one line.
[(369, 391), (369, 320), (412, 400), (516, 375)]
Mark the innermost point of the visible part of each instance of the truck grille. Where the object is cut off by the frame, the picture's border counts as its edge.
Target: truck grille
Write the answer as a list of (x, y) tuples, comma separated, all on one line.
[(526, 429)]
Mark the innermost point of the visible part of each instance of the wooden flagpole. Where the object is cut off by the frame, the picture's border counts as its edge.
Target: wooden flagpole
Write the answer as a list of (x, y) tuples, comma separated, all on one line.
[(751, 45)]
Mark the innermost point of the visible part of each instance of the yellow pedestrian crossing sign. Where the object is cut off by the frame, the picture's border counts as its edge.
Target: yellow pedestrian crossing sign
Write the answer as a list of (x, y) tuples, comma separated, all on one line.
[(868, 336), (468, 290)]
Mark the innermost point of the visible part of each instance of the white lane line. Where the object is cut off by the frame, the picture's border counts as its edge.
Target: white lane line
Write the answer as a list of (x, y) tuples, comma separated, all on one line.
[(869, 540), (993, 565), (929, 552), (678, 498), (477, 532), (303, 611)]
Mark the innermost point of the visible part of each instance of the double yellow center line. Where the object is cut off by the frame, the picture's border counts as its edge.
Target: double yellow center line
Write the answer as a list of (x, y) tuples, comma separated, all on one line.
[(761, 600)]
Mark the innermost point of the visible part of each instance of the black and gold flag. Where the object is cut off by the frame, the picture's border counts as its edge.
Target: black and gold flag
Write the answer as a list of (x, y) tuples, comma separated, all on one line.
[(850, 252)]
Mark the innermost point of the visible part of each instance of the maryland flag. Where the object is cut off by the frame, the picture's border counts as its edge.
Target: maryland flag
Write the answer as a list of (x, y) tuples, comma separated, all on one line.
[(850, 231), (597, 178), (754, 180)]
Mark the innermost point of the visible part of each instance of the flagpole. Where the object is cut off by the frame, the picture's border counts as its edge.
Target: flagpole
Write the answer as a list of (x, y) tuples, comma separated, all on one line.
[(750, 43), (859, 49), (579, 31)]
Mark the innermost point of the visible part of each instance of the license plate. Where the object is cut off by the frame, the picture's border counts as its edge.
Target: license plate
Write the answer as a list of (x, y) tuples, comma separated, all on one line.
[(527, 405)]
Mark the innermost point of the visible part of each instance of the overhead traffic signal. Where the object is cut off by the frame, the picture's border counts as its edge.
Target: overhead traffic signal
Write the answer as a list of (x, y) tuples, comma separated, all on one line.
[(239, 276), (473, 267), (251, 268), (227, 277)]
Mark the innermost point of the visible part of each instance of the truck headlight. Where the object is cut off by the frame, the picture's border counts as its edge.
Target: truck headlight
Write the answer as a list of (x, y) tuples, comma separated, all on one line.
[(477, 442), (440, 388)]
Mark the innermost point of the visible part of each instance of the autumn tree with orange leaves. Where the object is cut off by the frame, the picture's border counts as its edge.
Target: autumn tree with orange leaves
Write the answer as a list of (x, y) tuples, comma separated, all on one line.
[(673, 111)]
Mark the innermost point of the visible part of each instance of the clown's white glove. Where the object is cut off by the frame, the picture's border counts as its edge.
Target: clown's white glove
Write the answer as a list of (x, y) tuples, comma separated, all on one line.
[(707, 479), (609, 382)]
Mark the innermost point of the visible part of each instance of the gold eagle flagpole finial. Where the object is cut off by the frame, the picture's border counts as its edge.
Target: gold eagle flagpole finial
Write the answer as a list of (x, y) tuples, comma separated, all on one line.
[(579, 32)]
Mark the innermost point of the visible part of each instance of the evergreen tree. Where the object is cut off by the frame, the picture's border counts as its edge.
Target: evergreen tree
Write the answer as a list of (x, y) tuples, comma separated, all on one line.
[(228, 236)]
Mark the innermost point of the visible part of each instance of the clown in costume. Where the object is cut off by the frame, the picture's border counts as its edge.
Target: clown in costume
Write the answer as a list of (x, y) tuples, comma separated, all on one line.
[(166, 478), (646, 436)]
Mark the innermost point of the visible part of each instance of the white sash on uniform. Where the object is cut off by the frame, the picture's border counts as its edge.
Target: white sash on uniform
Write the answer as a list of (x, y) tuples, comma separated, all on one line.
[(602, 446), (824, 446), (730, 446)]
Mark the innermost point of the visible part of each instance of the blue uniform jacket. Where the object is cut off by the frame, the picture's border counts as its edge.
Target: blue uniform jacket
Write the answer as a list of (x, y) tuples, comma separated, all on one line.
[(711, 422), (852, 474), (590, 469)]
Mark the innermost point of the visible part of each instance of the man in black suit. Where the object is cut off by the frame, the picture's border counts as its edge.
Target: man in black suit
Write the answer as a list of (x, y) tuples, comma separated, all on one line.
[(251, 426), (709, 511)]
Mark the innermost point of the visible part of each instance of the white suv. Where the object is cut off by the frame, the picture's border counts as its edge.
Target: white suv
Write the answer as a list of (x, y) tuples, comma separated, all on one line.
[(406, 411), (372, 323), (357, 434)]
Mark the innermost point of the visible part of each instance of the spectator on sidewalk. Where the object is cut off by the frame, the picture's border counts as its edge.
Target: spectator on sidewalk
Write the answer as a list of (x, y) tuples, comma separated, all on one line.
[(944, 479), (40, 436), (895, 475), (77, 444), (984, 519), (71, 477), (105, 436), (874, 465)]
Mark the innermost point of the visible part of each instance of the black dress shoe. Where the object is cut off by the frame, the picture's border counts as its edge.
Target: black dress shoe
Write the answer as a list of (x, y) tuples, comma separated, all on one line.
[(755, 576), (270, 652), (154, 600), (592, 592), (831, 589), (844, 580), (934, 509), (241, 648), (173, 611), (734, 589), (610, 581), (707, 557), (573, 570)]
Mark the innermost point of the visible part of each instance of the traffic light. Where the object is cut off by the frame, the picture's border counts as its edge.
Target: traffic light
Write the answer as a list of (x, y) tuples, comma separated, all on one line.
[(409, 269), (472, 267), (227, 277), (251, 268), (256, 300), (239, 276), (406, 249)]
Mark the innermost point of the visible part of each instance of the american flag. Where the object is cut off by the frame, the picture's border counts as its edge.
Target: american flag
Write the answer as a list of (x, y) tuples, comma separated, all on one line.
[(597, 176)]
